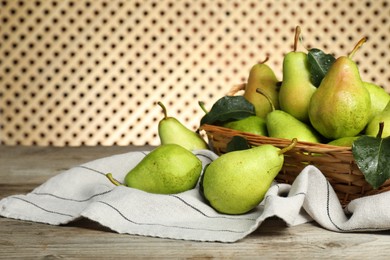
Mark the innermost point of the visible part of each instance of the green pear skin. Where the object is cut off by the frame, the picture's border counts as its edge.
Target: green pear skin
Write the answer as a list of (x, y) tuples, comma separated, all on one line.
[(341, 106), (251, 124), (237, 182), (296, 89), (280, 124), (168, 169), (372, 128), (379, 98), (263, 77), (344, 141), (172, 131)]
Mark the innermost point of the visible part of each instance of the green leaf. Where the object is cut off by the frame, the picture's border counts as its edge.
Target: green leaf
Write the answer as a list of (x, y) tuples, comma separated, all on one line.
[(319, 64), (237, 143), (228, 108), (372, 156)]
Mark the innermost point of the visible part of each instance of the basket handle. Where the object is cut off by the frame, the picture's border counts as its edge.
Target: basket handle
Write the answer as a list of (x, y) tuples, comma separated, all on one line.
[(236, 88)]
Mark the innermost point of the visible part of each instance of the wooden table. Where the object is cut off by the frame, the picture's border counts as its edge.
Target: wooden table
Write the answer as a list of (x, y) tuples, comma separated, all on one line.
[(23, 168)]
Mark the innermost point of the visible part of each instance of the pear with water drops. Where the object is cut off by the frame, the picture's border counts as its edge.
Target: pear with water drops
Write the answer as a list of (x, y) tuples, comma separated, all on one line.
[(341, 106)]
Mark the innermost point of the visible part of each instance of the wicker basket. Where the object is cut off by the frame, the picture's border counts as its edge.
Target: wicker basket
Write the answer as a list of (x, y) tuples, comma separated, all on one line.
[(336, 163)]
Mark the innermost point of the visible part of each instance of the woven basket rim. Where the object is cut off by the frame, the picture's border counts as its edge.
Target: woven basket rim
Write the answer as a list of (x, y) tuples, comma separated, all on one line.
[(301, 145)]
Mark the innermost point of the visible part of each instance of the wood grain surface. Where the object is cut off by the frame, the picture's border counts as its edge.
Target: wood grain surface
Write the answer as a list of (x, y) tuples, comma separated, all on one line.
[(24, 168)]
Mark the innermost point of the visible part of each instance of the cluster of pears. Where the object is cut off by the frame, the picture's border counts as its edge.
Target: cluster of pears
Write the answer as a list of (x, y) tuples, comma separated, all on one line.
[(171, 167), (234, 183), (337, 111)]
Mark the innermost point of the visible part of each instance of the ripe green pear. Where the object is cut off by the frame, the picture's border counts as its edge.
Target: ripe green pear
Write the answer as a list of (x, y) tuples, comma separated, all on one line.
[(172, 131), (379, 98), (261, 76), (167, 169), (251, 124), (296, 89), (281, 124), (372, 128), (236, 182), (344, 141), (341, 106)]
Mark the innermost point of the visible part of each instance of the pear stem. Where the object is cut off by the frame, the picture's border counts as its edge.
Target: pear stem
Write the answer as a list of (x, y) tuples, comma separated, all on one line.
[(289, 147), (267, 97), (201, 104), (163, 108), (112, 179), (357, 46), (380, 131), (296, 38), (265, 60)]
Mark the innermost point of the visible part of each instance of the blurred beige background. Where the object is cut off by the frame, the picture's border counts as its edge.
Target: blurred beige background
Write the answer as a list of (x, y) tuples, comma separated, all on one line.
[(90, 72)]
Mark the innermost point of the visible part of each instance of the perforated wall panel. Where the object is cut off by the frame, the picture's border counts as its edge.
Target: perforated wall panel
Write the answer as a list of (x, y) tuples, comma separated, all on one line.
[(90, 72)]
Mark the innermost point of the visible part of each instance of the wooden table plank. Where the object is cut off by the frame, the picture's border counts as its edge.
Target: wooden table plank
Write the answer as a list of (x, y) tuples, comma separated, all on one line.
[(24, 168)]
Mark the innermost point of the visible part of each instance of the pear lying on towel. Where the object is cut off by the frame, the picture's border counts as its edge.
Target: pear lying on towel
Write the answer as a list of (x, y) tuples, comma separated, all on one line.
[(168, 169), (236, 182)]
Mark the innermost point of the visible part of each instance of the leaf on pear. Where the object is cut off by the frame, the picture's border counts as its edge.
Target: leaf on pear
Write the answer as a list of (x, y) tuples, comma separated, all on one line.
[(319, 64), (228, 108), (372, 156), (237, 143)]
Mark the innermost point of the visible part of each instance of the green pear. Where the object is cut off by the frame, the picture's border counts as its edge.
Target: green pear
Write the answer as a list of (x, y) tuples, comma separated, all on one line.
[(251, 124), (167, 169), (379, 98), (372, 128), (296, 89), (261, 76), (344, 141), (281, 124), (341, 106), (172, 131), (236, 182)]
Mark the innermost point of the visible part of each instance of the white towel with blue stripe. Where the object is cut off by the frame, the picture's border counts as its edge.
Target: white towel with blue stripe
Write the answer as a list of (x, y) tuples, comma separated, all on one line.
[(84, 191)]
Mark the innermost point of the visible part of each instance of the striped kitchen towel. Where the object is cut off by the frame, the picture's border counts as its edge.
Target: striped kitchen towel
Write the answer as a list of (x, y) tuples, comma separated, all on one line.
[(84, 191)]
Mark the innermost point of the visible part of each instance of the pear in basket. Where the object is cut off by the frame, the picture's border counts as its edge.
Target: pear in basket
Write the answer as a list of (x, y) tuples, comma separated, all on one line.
[(341, 105), (236, 182), (344, 141), (379, 98), (281, 124), (372, 128), (251, 124), (261, 76), (296, 89), (172, 131), (167, 169)]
